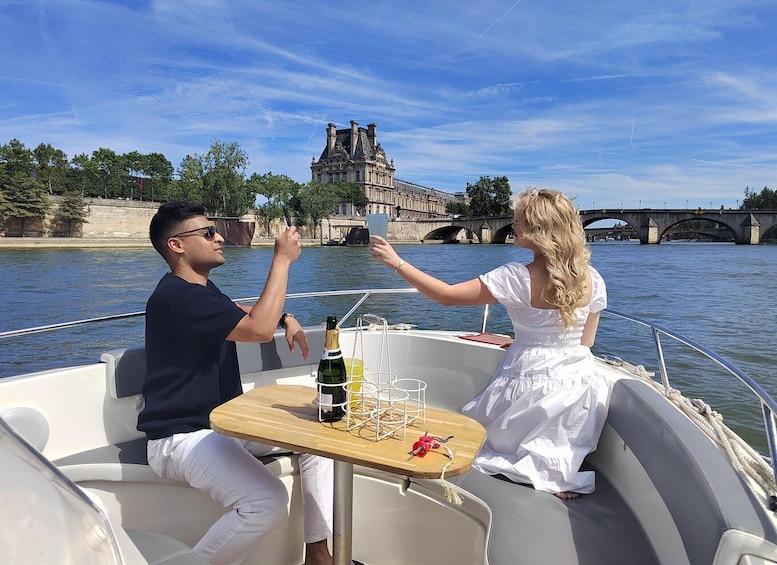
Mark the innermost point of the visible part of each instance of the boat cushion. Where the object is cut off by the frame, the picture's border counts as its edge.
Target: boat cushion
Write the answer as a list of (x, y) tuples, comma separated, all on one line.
[(127, 461), (163, 550), (258, 357), (704, 495), (126, 368), (541, 528)]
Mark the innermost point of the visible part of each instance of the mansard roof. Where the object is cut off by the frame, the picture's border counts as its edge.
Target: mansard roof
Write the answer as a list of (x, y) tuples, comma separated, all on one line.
[(364, 150), (416, 189)]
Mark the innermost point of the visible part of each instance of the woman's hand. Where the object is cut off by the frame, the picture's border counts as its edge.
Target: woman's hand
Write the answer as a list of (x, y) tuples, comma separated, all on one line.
[(294, 334), (381, 250)]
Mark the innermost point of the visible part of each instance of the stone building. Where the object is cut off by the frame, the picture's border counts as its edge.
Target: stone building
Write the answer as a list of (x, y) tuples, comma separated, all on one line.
[(354, 155)]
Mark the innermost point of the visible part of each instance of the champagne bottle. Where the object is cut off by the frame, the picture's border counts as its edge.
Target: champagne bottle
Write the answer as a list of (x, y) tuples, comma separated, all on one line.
[(331, 371)]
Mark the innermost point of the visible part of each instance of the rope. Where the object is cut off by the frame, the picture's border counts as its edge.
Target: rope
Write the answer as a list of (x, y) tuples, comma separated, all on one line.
[(745, 460), (451, 493)]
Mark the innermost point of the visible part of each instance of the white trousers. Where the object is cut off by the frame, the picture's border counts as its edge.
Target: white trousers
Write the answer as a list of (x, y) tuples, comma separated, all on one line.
[(226, 470)]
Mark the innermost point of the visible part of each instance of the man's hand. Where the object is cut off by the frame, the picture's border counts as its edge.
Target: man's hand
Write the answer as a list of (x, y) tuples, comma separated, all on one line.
[(287, 245), (294, 334)]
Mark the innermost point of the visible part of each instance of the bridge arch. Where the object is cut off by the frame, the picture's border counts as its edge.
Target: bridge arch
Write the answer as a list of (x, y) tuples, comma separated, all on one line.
[(446, 234), (717, 234), (747, 226), (502, 234)]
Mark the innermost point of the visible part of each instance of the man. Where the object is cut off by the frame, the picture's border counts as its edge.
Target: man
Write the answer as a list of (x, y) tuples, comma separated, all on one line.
[(191, 367)]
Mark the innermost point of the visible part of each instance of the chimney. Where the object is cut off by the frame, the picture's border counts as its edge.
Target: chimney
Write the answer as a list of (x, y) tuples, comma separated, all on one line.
[(371, 134), (331, 136), (354, 136)]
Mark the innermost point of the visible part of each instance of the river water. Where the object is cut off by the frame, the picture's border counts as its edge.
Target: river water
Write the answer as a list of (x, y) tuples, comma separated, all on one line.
[(720, 295)]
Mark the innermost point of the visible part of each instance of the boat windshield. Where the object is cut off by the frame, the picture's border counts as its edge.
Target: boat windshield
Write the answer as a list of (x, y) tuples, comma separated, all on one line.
[(45, 517)]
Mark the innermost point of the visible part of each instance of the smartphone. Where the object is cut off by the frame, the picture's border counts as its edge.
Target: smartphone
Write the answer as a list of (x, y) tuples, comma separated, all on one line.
[(286, 213)]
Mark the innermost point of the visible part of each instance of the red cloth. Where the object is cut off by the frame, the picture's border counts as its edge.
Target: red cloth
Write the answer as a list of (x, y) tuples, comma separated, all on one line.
[(502, 341)]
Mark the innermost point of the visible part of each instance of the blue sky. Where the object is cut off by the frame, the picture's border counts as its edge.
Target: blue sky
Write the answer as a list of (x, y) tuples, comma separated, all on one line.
[(666, 102)]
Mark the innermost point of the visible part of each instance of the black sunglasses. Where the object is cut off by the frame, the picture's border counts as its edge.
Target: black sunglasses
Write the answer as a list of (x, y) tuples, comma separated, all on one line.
[(209, 234)]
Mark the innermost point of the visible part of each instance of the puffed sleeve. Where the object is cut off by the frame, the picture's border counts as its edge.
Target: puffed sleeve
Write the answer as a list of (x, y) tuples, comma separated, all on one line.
[(598, 292), (510, 284)]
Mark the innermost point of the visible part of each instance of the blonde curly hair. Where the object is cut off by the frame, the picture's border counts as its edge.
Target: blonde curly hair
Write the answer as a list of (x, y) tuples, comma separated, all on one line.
[(550, 221)]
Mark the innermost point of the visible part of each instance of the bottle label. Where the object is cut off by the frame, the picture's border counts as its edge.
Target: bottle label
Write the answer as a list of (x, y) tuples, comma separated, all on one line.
[(331, 353), (326, 402)]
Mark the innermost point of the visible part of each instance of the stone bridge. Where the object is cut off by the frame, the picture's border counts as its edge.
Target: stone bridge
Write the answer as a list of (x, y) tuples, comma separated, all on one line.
[(746, 226)]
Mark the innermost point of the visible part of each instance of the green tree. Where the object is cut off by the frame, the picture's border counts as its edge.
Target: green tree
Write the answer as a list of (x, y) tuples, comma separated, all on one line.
[(351, 193), (83, 176), (317, 201), (503, 196), (3, 202), (158, 172), (111, 174), (71, 210), (489, 197), (190, 181), (16, 159), (480, 197), (764, 200), (460, 208), (278, 190), (51, 167), (23, 198), (224, 186), (134, 167)]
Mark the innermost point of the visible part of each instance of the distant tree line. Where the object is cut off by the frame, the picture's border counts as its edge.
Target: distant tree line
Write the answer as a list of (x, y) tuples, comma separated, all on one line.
[(215, 179), (487, 197), (764, 200)]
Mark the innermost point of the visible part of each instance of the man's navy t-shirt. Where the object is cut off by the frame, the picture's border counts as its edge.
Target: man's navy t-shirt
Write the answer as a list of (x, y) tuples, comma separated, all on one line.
[(190, 368)]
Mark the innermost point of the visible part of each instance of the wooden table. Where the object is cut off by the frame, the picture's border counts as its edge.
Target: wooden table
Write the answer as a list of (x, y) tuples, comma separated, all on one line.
[(286, 416)]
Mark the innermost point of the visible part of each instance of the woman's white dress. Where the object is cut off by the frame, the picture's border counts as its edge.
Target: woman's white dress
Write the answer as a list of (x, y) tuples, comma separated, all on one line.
[(546, 405)]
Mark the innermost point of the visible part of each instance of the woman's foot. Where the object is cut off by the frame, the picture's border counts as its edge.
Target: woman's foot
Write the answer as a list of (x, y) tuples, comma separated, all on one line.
[(567, 495)]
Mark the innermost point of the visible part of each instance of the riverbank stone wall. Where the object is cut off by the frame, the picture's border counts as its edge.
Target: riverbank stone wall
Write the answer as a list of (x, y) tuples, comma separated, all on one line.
[(127, 221)]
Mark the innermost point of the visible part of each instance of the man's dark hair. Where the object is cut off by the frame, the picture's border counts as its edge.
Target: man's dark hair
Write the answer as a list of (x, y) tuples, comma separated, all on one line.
[(168, 220)]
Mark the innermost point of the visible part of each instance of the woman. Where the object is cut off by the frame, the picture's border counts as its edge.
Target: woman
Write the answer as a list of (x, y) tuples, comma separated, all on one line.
[(545, 407)]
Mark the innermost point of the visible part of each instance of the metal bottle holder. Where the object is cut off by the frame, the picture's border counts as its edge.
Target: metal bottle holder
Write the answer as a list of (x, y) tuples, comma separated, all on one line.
[(378, 402)]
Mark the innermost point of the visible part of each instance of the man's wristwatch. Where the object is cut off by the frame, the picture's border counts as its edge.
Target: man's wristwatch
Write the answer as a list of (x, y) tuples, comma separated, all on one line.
[(282, 321)]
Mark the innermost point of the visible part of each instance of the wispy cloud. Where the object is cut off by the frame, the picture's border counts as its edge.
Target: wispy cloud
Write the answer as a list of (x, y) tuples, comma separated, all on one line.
[(613, 101)]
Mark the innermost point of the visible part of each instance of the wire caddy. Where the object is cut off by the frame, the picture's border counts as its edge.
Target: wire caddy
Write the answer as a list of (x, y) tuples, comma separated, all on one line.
[(377, 403)]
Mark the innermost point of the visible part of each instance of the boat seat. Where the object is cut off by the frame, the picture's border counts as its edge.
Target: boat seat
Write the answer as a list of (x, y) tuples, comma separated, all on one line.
[(163, 550), (255, 358), (688, 499), (715, 514), (127, 461), (125, 372), (529, 526), (126, 368)]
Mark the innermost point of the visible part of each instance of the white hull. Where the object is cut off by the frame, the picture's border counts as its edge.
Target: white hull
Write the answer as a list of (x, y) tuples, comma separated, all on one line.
[(650, 457)]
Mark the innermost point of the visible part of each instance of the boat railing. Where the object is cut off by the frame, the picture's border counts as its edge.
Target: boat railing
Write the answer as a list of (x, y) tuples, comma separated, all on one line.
[(364, 295), (767, 403)]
